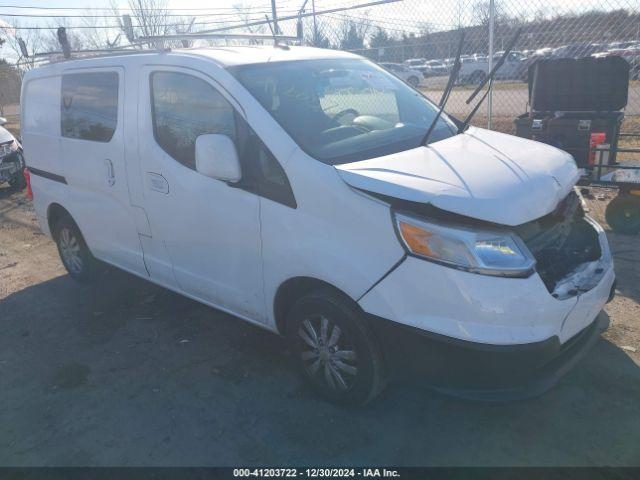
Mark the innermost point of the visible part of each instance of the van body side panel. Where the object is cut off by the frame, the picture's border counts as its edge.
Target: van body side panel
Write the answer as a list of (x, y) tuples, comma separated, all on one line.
[(330, 236), (40, 132), (207, 230), (98, 192)]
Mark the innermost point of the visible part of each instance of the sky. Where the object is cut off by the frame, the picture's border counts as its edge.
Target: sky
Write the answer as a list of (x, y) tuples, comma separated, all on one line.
[(405, 16)]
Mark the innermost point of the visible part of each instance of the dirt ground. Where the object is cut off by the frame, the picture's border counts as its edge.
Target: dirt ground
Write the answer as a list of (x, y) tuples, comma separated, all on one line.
[(126, 373)]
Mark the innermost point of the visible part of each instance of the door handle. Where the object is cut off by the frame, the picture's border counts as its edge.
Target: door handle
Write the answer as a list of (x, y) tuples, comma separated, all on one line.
[(110, 172)]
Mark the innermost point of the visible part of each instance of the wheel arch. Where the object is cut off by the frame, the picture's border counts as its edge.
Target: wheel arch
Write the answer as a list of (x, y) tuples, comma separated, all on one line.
[(294, 288), (55, 212)]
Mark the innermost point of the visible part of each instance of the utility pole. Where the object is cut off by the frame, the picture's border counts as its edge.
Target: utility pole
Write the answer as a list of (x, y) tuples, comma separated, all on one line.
[(315, 23), (274, 14), (492, 15)]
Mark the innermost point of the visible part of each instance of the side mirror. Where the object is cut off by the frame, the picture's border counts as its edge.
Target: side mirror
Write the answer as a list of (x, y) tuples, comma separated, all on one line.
[(217, 157), (3, 121)]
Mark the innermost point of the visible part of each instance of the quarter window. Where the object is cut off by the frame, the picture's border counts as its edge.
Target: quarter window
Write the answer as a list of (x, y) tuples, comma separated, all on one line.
[(89, 106), (185, 107)]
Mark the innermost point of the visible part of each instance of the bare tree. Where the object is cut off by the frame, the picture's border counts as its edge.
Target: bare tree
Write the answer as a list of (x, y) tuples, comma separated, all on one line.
[(481, 12), (33, 40), (317, 37), (149, 17), (49, 37), (10, 81), (353, 33), (97, 35), (243, 10)]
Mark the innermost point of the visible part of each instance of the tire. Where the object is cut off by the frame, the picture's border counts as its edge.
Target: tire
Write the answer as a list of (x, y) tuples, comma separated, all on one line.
[(477, 77), (335, 349), (18, 182), (413, 81), (74, 253), (623, 214)]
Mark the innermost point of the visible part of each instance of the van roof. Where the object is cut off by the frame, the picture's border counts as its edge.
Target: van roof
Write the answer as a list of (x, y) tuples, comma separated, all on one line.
[(242, 55), (224, 56)]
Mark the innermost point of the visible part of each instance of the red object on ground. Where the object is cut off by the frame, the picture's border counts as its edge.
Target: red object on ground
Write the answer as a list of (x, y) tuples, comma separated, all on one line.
[(596, 139), (27, 178)]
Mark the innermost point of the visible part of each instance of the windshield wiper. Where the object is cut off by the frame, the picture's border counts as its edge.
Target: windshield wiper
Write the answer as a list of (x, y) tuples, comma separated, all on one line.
[(488, 79), (447, 91)]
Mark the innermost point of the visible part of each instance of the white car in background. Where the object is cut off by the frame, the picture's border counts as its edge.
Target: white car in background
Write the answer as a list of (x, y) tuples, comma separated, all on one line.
[(409, 75), (435, 68), (414, 62), (474, 69)]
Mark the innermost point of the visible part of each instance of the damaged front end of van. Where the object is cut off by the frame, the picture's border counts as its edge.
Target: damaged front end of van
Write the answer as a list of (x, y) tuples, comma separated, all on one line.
[(505, 276)]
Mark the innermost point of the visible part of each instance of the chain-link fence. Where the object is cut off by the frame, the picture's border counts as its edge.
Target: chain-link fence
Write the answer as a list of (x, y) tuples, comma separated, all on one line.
[(424, 34), (419, 34)]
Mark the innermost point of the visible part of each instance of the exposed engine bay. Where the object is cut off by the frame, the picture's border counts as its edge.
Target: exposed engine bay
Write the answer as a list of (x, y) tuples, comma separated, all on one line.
[(565, 243), (567, 248)]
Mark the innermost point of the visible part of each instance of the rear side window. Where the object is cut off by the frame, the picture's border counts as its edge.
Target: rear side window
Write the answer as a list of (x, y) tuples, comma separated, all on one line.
[(41, 106), (185, 107), (89, 106)]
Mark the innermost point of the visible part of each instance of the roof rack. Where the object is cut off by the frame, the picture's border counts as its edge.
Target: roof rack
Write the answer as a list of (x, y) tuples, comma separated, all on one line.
[(136, 43), (88, 52), (215, 36)]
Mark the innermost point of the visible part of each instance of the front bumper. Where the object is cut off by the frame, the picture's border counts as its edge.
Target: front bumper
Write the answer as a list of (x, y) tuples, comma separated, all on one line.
[(479, 371), (495, 337)]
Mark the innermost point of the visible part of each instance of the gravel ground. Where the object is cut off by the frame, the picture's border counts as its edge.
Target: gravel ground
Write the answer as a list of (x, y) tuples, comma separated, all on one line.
[(126, 373)]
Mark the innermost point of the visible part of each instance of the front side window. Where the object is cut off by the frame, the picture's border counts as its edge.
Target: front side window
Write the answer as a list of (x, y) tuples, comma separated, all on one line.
[(342, 110), (89, 106), (185, 107)]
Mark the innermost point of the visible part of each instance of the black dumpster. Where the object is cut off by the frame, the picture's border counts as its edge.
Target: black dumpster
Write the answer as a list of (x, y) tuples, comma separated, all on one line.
[(576, 105)]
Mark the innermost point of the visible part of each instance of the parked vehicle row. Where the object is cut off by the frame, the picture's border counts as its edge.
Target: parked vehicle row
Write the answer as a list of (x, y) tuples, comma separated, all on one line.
[(409, 75), (475, 67)]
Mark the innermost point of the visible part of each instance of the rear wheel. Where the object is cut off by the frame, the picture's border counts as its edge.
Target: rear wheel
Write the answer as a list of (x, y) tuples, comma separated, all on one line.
[(335, 348), (413, 81), (623, 214), (74, 253)]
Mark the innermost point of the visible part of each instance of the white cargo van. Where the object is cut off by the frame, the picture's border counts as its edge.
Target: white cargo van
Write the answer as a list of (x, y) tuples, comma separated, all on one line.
[(290, 187)]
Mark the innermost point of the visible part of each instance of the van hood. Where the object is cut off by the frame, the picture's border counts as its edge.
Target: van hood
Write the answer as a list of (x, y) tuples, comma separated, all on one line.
[(482, 174)]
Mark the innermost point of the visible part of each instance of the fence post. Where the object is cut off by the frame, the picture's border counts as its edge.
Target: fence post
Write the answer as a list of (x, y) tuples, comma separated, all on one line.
[(492, 19), (274, 15), (315, 23)]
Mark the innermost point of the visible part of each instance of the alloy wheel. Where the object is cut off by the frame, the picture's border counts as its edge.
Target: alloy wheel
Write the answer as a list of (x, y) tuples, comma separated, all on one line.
[(328, 354), (70, 251)]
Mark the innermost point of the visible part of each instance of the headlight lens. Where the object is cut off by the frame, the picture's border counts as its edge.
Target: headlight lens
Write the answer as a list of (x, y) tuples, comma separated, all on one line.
[(490, 252)]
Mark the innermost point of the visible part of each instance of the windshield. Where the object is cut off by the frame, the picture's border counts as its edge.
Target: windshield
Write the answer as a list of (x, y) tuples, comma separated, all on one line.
[(341, 111)]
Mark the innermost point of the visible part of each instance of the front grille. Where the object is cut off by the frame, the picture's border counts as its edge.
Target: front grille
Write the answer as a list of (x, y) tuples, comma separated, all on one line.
[(561, 241)]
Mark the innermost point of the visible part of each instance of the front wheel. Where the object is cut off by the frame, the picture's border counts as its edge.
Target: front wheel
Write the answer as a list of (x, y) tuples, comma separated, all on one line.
[(413, 81), (74, 253), (335, 348)]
